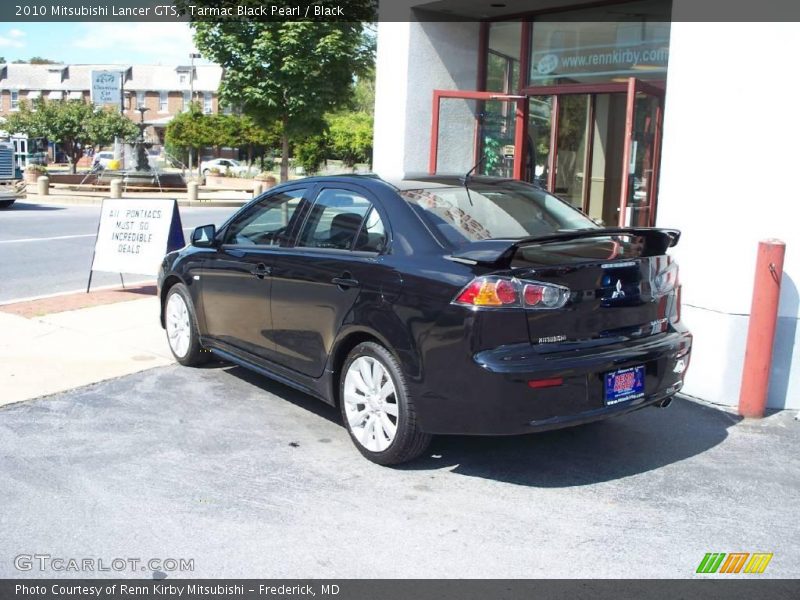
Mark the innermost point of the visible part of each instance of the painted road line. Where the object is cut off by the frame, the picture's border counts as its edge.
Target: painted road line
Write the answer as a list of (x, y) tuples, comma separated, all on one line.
[(62, 237), (47, 239)]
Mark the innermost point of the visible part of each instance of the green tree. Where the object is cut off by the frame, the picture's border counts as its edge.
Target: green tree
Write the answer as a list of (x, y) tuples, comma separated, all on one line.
[(38, 60), (257, 139), (74, 124), (310, 153), (225, 130), (364, 92), (191, 130), (290, 72), (349, 137), (107, 124)]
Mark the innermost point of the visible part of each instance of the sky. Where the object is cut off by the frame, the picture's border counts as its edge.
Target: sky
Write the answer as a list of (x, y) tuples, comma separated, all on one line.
[(123, 43)]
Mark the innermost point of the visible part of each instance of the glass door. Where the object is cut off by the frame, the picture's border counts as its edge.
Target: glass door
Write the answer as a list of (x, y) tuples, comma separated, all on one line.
[(640, 160), (596, 146), (477, 130)]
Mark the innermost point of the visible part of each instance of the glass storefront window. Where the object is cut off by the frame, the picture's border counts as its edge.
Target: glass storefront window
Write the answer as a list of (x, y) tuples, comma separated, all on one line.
[(573, 129), (579, 47), (540, 123), (502, 61), (476, 134)]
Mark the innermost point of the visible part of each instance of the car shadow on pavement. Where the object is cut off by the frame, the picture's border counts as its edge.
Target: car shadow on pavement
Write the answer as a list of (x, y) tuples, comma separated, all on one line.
[(19, 206), (284, 392), (603, 451)]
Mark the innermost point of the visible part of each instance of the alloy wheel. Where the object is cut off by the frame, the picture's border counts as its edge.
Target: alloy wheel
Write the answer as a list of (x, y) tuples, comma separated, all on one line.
[(370, 402), (179, 332)]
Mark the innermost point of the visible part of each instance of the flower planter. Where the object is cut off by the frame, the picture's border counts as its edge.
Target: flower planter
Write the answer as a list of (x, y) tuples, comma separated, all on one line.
[(33, 176), (267, 182), (229, 183)]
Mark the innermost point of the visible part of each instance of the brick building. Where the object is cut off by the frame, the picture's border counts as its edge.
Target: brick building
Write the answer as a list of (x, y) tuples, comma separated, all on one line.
[(165, 90)]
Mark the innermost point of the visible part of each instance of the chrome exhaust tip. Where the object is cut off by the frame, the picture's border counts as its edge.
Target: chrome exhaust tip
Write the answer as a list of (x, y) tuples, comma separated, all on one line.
[(665, 402)]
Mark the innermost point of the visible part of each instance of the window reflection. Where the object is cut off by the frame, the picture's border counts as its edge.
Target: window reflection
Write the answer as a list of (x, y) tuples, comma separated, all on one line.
[(502, 61)]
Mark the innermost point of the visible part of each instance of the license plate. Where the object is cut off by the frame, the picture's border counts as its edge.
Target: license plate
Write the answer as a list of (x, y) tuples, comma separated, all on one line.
[(624, 385)]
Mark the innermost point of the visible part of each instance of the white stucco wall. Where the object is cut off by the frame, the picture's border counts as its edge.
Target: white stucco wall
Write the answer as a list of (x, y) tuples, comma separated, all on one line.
[(729, 160), (413, 60)]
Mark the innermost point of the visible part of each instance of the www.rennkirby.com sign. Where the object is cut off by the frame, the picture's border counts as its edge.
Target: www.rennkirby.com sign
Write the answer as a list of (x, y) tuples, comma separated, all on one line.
[(595, 61)]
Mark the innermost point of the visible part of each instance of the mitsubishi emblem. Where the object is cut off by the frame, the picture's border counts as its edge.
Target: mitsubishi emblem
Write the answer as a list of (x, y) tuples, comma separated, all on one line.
[(618, 293)]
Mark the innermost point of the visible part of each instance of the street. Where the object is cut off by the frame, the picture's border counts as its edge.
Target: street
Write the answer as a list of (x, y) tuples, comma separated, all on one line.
[(248, 478), (47, 249)]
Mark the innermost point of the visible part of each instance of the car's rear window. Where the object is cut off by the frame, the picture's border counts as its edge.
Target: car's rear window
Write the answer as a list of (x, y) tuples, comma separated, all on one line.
[(460, 215)]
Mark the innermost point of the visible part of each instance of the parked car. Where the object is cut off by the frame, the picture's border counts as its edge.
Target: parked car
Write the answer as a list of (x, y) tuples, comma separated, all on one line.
[(224, 166), (435, 305), (102, 159), (38, 158)]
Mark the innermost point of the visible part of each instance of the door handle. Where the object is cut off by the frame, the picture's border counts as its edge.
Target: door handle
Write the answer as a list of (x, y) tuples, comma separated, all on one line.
[(261, 270), (345, 282)]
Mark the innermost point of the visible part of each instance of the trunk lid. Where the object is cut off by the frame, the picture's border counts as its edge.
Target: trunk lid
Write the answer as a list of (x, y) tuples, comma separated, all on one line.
[(615, 291)]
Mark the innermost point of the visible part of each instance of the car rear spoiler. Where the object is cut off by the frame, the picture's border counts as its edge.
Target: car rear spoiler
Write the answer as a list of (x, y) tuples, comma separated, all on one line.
[(499, 252)]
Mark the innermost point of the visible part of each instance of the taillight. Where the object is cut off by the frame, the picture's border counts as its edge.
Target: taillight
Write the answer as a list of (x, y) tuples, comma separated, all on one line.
[(544, 295), (489, 292), (506, 292)]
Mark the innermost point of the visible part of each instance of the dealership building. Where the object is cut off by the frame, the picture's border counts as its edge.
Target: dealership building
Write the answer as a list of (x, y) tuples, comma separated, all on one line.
[(631, 112)]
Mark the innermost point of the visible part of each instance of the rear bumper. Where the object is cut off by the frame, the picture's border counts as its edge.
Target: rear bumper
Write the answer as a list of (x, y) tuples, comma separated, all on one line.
[(12, 190), (490, 395)]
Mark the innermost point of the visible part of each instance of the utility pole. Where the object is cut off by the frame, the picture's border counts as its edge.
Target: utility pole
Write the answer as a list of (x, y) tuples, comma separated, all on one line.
[(118, 150), (192, 56)]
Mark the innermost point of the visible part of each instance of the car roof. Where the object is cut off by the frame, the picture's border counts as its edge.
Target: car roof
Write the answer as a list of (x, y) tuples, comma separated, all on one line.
[(415, 181), (411, 181)]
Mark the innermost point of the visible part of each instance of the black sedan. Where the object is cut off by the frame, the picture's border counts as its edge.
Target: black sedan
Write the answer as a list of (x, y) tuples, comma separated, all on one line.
[(433, 305)]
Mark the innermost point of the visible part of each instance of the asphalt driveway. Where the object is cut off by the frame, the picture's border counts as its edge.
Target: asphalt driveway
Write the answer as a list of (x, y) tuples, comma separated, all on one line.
[(248, 478)]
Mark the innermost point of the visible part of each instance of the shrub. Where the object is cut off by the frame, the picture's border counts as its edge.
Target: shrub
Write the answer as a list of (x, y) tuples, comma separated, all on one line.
[(310, 153)]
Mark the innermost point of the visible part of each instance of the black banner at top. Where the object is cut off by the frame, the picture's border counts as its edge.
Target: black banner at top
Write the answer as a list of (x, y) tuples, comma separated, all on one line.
[(388, 10)]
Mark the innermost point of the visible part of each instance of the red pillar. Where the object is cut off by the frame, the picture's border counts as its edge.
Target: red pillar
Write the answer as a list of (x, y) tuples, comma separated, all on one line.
[(761, 329)]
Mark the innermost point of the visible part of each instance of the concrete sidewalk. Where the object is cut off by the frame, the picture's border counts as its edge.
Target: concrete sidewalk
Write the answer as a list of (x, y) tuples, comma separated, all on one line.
[(50, 353)]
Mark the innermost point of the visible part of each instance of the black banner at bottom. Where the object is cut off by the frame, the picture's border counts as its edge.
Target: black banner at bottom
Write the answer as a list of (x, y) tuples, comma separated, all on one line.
[(398, 589)]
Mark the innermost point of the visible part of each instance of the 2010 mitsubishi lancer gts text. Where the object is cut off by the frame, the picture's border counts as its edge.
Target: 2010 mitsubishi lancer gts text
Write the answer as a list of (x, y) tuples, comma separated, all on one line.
[(435, 305)]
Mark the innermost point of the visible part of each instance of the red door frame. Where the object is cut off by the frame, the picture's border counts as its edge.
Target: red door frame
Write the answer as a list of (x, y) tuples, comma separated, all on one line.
[(631, 88), (635, 86), (520, 114)]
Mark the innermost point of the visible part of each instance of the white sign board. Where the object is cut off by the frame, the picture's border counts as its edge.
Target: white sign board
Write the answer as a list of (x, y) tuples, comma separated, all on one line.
[(134, 235), (107, 88)]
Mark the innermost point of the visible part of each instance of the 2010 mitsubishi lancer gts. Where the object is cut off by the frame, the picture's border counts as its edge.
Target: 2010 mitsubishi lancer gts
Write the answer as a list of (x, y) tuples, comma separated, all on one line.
[(435, 305)]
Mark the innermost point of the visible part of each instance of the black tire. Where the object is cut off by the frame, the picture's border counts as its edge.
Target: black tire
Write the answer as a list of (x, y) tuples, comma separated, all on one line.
[(6, 203), (409, 442), (195, 355)]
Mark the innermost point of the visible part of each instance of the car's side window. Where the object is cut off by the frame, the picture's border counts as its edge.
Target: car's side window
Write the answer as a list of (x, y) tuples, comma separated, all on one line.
[(268, 223), (375, 239), (335, 220)]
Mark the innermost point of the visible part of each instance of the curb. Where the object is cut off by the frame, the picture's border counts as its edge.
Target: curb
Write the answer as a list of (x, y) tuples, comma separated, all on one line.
[(97, 201)]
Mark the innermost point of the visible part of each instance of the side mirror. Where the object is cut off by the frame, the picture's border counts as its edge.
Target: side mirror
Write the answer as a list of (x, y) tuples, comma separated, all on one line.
[(203, 236)]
